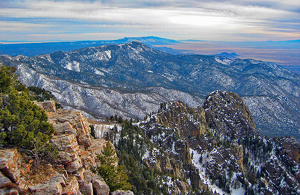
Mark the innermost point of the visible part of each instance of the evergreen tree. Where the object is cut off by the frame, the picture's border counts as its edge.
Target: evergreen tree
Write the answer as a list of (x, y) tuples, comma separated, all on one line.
[(22, 123), (114, 176), (18, 117)]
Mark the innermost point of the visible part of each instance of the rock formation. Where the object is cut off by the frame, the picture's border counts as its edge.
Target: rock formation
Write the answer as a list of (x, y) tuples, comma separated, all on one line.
[(77, 153)]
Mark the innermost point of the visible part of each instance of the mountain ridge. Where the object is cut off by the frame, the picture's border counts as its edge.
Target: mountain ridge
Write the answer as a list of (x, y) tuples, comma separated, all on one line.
[(135, 66), (214, 148), (33, 49)]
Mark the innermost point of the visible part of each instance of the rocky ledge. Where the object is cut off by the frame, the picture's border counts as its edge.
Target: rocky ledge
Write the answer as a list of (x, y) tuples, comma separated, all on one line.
[(77, 153)]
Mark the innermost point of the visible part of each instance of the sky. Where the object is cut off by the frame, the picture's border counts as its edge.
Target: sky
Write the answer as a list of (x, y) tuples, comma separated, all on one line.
[(208, 20)]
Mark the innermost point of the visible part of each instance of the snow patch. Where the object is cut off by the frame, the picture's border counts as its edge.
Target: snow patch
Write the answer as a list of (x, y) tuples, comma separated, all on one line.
[(224, 61), (108, 54), (99, 72), (75, 66)]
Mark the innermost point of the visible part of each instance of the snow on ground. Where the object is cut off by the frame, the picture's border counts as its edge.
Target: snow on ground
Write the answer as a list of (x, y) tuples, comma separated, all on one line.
[(201, 169), (239, 191), (75, 66), (99, 72), (146, 155)]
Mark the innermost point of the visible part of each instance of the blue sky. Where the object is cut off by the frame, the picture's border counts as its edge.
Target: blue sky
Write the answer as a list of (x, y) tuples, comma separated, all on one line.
[(215, 20)]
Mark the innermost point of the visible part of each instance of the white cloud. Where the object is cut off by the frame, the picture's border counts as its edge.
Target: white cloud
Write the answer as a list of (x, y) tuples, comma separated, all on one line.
[(212, 20), (20, 26)]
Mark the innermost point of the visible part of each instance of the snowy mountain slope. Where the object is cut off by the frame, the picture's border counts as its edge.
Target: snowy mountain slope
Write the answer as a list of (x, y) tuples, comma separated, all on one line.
[(100, 101), (271, 92)]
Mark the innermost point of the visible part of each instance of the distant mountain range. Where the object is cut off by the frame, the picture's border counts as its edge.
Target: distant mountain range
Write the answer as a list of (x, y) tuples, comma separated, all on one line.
[(132, 79), (33, 49)]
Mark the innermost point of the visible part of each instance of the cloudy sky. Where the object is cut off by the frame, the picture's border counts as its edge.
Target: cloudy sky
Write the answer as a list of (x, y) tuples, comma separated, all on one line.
[(213, 20)]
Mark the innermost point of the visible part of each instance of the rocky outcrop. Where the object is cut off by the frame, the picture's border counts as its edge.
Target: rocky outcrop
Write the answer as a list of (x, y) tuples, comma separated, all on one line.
[(77, 153), (226, 112), (48, 106), (189, 121), (216, 148)]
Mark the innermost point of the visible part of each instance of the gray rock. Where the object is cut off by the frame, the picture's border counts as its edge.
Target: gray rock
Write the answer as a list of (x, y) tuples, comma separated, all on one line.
[(4, 181), (10, 164), (122, 192), (53, 186), (100, 187)]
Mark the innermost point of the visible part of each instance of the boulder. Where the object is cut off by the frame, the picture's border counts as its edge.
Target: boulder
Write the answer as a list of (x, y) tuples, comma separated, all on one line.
[(100, 187), (80, 174), (86, 187), (10, 161), (8, 191), (48, 106), (4, 181), (93, 184), (53, 186), (74, 166), (122, 192), (72, 187)]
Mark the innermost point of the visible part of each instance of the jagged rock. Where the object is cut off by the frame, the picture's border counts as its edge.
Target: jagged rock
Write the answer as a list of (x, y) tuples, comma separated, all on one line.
[(97, 147), (80, 174), (93, 183), (182, 186), (64, 128), (226, 112), (86, 188), (122, 192), (53, 186), (76, 155), (10, 161), (8, 191), (100, 187), (48, 106), (182, 148), (74, 166), (68, 148), (74, 122), (72, 187), (4, 181), (67, 143), (88, 159), (172, 114)]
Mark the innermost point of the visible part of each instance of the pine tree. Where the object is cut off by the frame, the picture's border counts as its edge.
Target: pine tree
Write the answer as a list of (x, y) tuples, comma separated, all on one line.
[(19, 116), (114, 176), (22, 123)]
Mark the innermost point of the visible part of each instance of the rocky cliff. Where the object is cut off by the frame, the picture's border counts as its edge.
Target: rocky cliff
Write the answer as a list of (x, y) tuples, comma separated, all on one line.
[(70, 173)]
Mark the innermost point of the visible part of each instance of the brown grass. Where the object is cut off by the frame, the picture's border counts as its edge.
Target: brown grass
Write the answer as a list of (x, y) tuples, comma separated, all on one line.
[(41, 175)]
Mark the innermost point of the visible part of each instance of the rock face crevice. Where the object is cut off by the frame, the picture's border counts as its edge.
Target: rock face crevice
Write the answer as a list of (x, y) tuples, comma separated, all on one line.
[(77, 153)]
